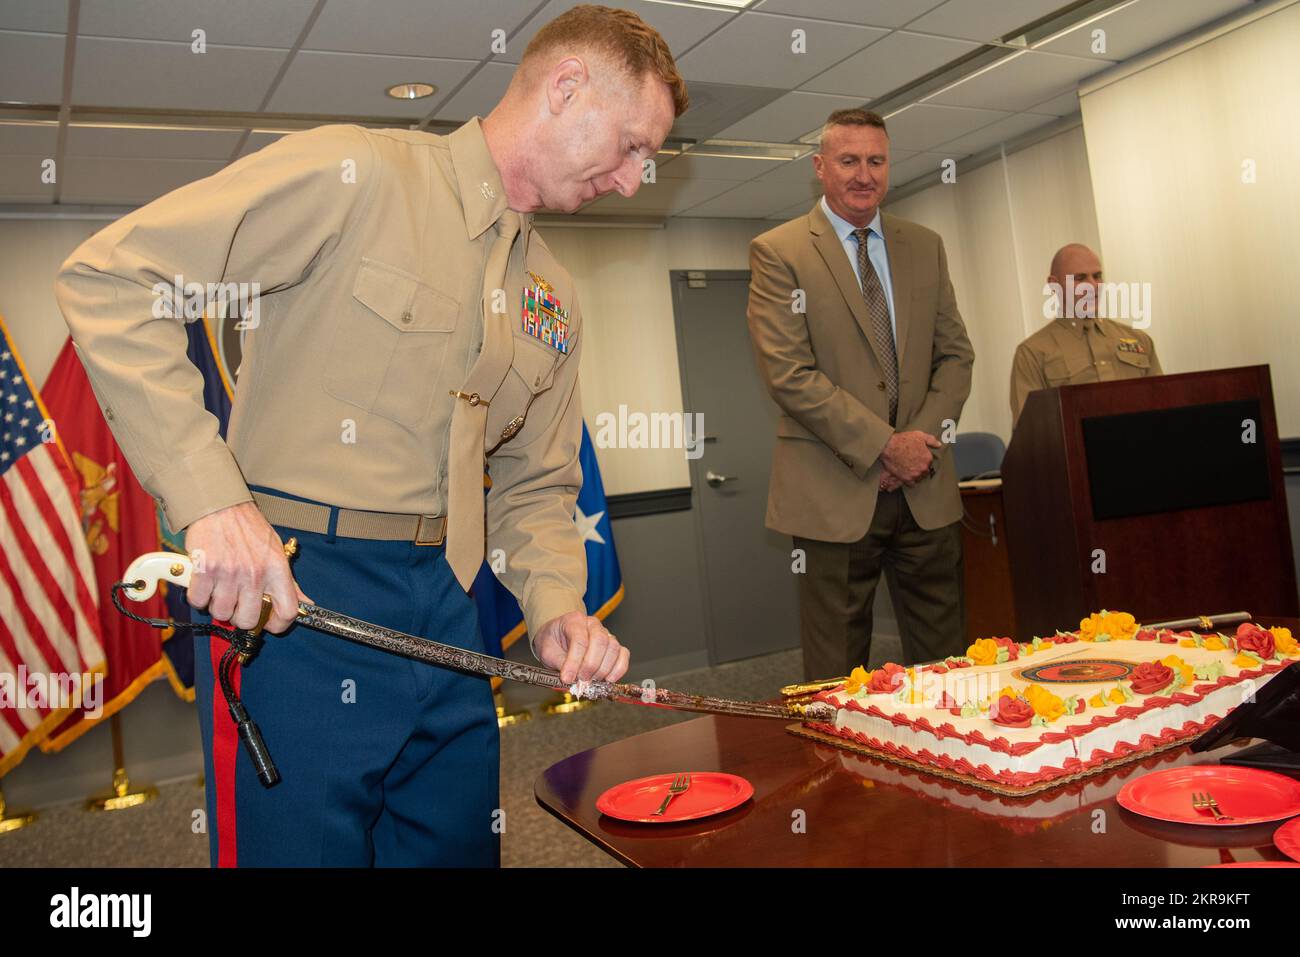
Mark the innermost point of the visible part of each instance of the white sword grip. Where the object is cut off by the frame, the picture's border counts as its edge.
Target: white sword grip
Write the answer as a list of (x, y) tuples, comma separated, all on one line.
[(154, 567)]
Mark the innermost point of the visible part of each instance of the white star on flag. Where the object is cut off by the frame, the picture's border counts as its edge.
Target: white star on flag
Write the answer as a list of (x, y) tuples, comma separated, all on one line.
[(587, 526)]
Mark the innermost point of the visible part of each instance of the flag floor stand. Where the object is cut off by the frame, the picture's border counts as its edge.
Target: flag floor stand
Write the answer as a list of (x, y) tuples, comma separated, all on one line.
[(506, 717), (566, 703), (13, 820), (122, 795)]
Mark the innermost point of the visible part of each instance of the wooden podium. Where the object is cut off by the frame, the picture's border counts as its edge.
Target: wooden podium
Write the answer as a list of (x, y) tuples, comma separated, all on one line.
[(1161, 496)]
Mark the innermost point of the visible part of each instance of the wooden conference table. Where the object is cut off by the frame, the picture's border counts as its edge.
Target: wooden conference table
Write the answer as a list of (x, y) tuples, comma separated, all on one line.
[(857, 811)]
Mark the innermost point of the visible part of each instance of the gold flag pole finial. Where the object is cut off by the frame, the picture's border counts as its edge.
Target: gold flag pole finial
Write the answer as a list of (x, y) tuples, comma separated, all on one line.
[(122, 795)]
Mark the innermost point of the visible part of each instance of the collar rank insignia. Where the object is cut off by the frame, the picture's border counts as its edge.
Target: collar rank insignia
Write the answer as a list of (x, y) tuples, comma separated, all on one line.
[(543, 317), (1131, 345)]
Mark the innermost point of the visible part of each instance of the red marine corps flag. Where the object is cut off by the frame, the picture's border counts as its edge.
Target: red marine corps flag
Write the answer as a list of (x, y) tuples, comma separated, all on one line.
[(118, 521), (51, 652)]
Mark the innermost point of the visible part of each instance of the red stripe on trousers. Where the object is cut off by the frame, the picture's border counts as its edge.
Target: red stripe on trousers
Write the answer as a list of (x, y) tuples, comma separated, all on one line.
[(225, 750)]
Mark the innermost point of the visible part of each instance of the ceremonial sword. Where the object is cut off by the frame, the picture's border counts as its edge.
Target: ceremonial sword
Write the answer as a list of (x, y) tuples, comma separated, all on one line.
[(140, 582)]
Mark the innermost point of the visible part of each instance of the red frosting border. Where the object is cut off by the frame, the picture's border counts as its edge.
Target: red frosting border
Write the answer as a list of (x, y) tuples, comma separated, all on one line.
[(1070, 766)]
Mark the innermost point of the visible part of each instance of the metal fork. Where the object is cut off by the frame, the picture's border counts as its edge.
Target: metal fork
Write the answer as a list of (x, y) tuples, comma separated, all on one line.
[(1204, 801), (680, 783)]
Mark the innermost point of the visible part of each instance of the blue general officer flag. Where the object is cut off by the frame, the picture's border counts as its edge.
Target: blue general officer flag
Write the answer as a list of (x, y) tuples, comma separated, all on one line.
[(217, 397), (500, 619)]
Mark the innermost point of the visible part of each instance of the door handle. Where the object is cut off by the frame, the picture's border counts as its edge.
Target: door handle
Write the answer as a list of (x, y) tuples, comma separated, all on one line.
[(714, 479)]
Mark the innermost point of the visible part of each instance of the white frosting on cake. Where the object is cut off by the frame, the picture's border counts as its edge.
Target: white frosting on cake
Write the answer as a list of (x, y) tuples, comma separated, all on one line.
[(898, 726)]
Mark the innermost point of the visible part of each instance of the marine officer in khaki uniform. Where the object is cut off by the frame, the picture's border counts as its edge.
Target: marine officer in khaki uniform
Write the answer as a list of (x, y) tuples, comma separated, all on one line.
[(1079, 345), (413, 331)]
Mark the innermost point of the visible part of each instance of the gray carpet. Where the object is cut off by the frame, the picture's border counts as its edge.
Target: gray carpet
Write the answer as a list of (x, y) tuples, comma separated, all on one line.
[(161, 833)]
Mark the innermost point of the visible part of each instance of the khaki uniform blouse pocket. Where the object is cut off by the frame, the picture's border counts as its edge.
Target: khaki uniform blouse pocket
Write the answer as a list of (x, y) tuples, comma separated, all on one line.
[(388, 352)]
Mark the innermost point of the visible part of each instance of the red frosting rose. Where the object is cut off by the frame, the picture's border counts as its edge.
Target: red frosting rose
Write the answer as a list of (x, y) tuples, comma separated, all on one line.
[(1011, 712), (1256, 640), (1013, 649), (886, 679), (1150, 677)]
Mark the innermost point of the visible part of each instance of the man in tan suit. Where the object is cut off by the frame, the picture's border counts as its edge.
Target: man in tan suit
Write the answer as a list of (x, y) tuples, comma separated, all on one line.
[(1081, 344), (413, 332), (857, 334)]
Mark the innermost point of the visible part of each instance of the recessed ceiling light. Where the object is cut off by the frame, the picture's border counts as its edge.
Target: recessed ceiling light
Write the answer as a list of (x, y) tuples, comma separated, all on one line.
[(411, 91)]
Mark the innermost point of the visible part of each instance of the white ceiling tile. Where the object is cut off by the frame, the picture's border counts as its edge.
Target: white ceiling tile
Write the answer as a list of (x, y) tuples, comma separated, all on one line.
[(115, 181), (40, 16), (450, 30), (20, 179), (1143, 25), (664, 197), (1062, 105), (28, 140), (737, 169), (353, 84), (875, 13), (715, 106), (795, 171), (755, 199), (1000, 131), (924, 126), (33, 67), (479, 95), (983, 20), (151, 73), (790, 212), (915, 167), (680, 26), (756, 49), (253, 23), (1021, 81), (786, 119), (256, 141), (151, 144), (888, 64)]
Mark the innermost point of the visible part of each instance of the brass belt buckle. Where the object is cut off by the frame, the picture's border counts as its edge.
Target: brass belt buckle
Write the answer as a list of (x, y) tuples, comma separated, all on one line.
[(437, 528)]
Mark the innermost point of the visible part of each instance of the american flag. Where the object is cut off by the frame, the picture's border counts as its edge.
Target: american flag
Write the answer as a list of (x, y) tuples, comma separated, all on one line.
[(49, 621)]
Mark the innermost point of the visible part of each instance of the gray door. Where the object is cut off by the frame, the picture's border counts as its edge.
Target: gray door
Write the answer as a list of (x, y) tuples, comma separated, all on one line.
[(752, 606)]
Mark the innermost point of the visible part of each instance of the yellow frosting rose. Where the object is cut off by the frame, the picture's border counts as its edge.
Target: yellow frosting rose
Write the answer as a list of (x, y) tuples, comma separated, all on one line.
[(1187, 643), (858, 677), (1116, 695), (1214, 643), (1008, 692), (1098, 700), (1045, 704), (1245, 661), (1284, 643), (983, 652), (1117, 624), (1187, 671)]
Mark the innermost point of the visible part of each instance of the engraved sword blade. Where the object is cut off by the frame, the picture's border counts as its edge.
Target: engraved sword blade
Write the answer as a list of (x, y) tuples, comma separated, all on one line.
[(449, 656)]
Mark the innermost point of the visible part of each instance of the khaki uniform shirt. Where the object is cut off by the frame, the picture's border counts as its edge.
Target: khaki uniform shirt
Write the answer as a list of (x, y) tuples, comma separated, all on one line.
[(1075, 351), (369, 248)]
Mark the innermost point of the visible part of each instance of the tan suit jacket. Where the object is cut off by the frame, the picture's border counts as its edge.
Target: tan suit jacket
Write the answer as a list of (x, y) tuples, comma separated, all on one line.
[(369, 248), (822, 368)]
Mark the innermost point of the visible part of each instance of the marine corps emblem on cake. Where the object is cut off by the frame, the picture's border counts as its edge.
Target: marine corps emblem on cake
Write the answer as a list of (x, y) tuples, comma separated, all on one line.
[(1079, 671)]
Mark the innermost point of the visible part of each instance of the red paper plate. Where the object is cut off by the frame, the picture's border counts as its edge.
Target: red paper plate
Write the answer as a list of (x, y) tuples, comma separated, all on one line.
[(711, 792), (1257, 864), (1287, 839), (1246, 795)]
